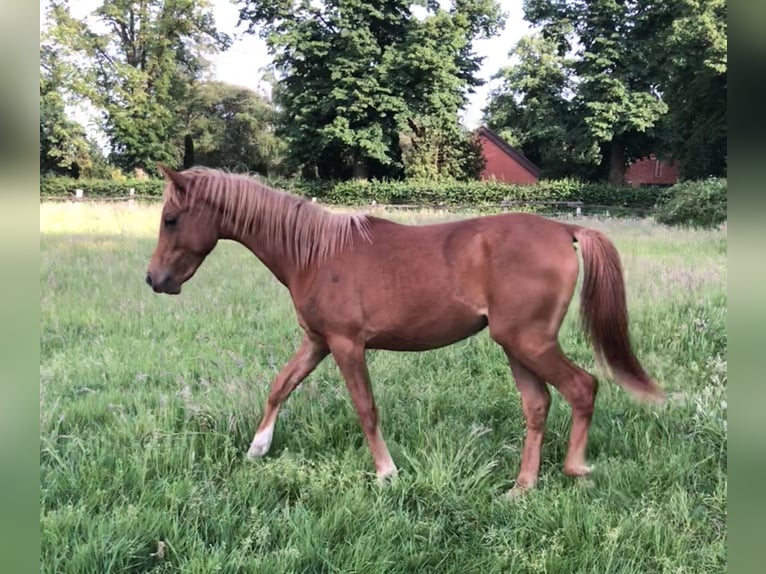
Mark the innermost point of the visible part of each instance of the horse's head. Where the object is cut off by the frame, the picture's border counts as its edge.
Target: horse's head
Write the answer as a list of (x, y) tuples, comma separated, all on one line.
[(188, 232)]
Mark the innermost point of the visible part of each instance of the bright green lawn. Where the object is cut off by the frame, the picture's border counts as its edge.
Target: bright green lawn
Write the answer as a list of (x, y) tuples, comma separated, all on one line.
[(148, 404)]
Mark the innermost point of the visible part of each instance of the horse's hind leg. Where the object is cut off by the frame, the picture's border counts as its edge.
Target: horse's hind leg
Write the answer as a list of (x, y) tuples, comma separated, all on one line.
[(543, 357), (525, 320), (535, 401), (292, 374)]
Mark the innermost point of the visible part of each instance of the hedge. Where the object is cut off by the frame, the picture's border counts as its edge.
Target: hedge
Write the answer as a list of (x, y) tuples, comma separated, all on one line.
[(699, 204), (473, 193), (477, 193), (100, 188), (695, 203)]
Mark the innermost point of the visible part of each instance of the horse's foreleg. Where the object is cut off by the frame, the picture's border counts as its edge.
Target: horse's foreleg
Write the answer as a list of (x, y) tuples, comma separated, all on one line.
[(350, 357), (292, 374)]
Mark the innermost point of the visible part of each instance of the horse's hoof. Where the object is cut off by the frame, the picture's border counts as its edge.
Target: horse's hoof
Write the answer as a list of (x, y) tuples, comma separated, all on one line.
[(261, 443), (386, 478), (577, 471), (257, 451), (517, 492)]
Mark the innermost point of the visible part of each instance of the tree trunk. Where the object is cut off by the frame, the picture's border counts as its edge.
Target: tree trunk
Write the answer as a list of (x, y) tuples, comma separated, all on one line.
[(617, 162), (360, 167), (188, 151)]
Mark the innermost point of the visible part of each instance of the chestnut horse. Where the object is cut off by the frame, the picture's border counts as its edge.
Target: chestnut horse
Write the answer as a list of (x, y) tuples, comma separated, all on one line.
[(360, 282)]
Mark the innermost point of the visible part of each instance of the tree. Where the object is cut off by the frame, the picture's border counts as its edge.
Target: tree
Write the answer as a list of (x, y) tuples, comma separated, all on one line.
[(695, 87), (609, 105), (434, 72), (233, 128), (533, 109), (434, 150), (64, 146), (138, 66), (352, 72), (607, 81)]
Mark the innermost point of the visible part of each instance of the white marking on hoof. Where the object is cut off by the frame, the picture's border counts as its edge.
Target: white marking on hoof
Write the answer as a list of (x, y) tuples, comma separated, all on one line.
[(261, 443), (524, 485), (579, 470), (387, 474)]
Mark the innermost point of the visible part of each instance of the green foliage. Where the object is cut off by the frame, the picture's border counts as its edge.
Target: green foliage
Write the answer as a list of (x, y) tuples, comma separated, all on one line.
[(353, 72), (427, 193), (538, 197), (479, 194), (532, 110), (101, 188), (338, 115), (599, 106), (694, 204), (232, 129), (64, 145), (604, 82), (138, 67), (695, 87), (435, 150)]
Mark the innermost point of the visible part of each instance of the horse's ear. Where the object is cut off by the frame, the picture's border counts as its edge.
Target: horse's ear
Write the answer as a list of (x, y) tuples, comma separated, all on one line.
[(180, 180)]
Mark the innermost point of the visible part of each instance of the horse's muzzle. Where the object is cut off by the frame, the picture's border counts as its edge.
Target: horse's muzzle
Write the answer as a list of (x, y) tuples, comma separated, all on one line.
[(163, 284)]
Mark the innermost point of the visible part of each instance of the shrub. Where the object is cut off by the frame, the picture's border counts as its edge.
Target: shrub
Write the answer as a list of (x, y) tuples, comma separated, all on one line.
[(479, 193), (694, 204)]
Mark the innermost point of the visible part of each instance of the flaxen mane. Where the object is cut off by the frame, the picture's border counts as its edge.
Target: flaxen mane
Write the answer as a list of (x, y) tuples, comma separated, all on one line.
[(302, 230)]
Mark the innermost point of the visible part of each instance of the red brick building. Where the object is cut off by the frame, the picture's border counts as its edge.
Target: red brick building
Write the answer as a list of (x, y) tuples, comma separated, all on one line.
[(651, 171), (507, 164), (504, 163)]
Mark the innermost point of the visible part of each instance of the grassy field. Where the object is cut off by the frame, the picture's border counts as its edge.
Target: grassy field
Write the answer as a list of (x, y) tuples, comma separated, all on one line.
[(148, 404)]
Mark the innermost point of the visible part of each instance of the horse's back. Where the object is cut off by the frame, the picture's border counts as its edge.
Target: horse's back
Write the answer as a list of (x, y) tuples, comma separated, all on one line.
[(416, 287)]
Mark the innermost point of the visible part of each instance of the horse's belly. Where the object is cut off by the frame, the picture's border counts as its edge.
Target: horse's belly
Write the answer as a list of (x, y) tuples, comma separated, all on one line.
[(421, 334)]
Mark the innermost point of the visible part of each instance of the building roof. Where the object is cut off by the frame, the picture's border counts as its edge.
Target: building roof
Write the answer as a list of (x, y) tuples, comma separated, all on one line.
[(509, 150)]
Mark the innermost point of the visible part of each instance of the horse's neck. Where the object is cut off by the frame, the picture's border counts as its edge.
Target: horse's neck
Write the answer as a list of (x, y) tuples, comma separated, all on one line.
[(279, 265)]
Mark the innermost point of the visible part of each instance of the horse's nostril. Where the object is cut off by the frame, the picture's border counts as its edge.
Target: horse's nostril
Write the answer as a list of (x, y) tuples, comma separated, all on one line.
[(149, 279)]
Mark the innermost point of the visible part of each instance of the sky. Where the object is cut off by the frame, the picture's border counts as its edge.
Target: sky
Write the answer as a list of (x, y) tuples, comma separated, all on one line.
[(241, 64)]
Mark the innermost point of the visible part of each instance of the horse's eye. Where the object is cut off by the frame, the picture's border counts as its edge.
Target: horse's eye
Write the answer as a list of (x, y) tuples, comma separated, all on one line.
[(170, 221)]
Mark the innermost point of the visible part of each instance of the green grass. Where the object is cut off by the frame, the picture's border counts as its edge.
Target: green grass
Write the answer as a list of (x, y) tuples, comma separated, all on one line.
[(148, 404)]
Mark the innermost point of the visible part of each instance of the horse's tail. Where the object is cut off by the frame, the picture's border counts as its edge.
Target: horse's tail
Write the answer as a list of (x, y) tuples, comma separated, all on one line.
[(604, 314)]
